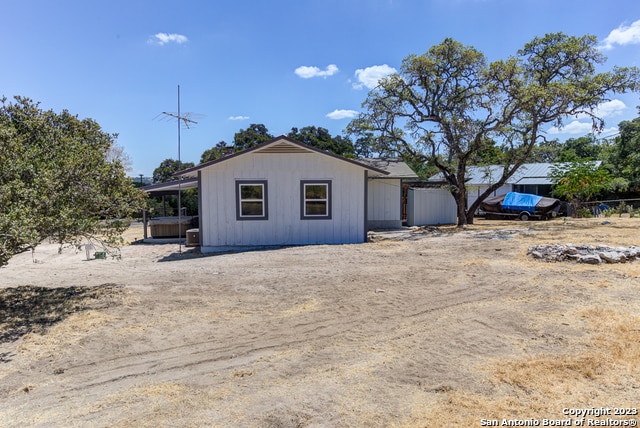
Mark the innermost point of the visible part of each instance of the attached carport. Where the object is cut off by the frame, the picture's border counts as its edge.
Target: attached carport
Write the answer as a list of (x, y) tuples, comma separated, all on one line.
[(171, 188)]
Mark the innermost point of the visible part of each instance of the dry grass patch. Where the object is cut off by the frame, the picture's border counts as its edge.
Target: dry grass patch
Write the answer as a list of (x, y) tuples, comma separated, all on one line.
[(617, 336), (147, 406), (475, 262), (62, 337), (309, 305), (619, 231), (387, 246), (30, 309), (604, 373)]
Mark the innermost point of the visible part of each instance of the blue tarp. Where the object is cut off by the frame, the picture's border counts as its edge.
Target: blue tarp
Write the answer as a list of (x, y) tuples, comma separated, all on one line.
[(520, 202)]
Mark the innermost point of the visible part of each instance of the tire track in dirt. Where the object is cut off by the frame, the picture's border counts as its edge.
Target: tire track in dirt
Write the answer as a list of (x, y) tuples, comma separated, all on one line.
[(344, 334), (242, 350)]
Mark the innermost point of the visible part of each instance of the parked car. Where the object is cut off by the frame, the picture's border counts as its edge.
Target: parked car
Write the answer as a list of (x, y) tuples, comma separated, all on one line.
[(523, 206)]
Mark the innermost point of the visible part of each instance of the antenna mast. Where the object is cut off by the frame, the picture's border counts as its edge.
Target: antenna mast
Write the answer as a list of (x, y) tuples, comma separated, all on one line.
[(187, 122)]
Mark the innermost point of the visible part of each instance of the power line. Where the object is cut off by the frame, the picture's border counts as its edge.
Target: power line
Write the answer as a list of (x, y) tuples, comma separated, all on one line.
[(610, 136)]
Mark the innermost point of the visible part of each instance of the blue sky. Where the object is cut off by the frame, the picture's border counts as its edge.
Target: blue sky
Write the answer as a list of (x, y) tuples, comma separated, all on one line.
[(279, 63)]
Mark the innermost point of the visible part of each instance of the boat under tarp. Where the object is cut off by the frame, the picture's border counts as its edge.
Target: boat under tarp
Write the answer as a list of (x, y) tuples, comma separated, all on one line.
[(516, 203)]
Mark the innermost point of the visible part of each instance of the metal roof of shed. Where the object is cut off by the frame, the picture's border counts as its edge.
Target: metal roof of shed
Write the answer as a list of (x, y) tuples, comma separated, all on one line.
[(528, 173)]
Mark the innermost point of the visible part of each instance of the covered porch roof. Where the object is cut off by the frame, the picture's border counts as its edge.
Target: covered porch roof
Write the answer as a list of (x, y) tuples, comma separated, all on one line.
[(171, 187)]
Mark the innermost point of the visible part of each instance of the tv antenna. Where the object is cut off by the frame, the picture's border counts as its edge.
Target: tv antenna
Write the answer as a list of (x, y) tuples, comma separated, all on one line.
[(182, 119)]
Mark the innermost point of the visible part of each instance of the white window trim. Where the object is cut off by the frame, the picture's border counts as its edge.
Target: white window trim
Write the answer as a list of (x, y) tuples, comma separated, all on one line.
[(239, 200), (304, 200)]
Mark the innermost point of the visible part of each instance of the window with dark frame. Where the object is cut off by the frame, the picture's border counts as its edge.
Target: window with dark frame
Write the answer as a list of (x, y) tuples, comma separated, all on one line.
[(315, 199), (251, 200)]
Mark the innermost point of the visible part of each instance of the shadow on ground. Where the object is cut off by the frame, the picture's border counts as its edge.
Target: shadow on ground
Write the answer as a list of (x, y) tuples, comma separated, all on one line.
[(28, 309), (195, 253)]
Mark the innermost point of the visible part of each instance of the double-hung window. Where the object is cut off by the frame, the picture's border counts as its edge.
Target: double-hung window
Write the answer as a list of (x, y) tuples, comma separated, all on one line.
[(315, 199), (251, 200)]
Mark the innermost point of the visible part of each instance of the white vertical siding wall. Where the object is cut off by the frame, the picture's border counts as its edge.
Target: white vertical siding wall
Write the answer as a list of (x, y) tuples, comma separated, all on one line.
[(384, 203), (430, 206), (283, 173)]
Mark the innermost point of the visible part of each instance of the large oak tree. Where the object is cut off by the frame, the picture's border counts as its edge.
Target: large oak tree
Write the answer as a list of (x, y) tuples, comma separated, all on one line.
[(448, 105)]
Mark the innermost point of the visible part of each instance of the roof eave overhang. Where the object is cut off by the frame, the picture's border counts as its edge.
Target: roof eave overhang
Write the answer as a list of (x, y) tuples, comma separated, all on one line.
[(192, 172)]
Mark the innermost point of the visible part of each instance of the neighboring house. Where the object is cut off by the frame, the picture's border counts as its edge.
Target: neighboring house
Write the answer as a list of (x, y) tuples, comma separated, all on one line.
[(283, 192), (530, 178)]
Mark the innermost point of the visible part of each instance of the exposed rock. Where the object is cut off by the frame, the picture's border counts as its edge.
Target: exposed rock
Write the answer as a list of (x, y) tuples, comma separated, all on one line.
[(537, 254), (591, 259), (584, 253), (498, 234), (612, 257)]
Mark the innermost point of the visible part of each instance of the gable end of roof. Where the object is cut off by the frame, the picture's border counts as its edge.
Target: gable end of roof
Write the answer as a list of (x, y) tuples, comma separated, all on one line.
[(278, 145), (283, 147)]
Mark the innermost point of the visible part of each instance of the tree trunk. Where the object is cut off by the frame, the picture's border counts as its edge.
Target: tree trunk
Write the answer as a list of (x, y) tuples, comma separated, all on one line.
[(461, 205), (470, 216)]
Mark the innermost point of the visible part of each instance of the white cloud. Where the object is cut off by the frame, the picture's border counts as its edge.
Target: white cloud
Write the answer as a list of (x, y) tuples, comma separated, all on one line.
[(623, 35), (575, 127), (164, 38), (238, 118), (307, 72), (607, 109), (580, 128), (342, 114), (370, 76), (610, 108)]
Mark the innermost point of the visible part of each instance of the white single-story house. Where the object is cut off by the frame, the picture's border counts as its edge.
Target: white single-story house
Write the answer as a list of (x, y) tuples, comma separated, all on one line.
[(284, 192)]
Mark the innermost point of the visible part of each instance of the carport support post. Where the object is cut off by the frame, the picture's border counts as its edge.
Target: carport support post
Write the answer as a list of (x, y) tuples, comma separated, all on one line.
[(366, 205), (144, 224)]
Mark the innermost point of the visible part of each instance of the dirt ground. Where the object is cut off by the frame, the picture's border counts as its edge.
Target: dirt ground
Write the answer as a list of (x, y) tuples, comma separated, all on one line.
[(434, 327)]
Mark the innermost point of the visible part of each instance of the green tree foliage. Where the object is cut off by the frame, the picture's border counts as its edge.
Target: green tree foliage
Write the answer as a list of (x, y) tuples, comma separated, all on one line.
[(445, 105), (168, 205), (251, 137), (220, 150), (320, 138), (488, 153), (59, 180), (546, 151), (167, 169), (579, 182), (624, 153), (585, 148), (366, 143), (579, 149)]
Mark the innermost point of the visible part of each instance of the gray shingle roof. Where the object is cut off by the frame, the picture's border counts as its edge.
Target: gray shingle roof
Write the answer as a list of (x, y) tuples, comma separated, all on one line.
[(394, 166)]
